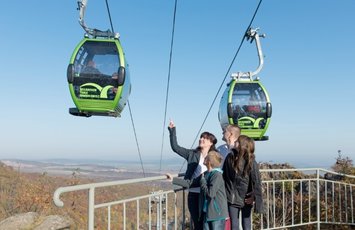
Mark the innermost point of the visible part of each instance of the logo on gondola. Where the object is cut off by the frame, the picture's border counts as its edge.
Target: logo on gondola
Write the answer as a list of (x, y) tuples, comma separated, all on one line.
[(250, 123), (94, 91)]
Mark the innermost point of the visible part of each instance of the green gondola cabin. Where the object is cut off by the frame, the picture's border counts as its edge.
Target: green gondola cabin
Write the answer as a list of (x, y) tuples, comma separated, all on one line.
[(246, 103), (98, 78)]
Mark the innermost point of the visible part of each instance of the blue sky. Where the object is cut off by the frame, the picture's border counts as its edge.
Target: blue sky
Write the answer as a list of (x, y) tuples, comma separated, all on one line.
[(309, 72)]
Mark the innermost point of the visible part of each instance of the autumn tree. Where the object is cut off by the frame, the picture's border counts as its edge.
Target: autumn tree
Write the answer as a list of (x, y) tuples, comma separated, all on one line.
[(343, 164)]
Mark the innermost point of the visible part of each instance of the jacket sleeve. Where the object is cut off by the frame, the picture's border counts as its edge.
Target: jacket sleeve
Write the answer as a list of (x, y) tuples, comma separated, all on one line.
[(211, 187), (183, 152), (181, 182), (196, 181), (257, 188)]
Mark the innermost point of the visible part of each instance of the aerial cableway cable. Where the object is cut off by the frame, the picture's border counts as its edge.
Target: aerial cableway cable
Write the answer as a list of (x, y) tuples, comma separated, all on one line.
[(168, 84), (135, 136), (227, 73), (109, 15), (129, 107), (225, 77)]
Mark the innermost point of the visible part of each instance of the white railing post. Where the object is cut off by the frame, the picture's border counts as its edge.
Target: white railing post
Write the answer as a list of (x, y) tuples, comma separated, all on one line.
[(183, 209), (346, 204), (274, 202), (175, 212), (124, 215), (268, 205), (318, 201), (301, 201), (309, 200), (326, 200), (166, 211), (158, 216), (91, 209), (292, 205), (352, 205), (150, 213), (333, 205), (283, 204), (138, 222), (340, 220)]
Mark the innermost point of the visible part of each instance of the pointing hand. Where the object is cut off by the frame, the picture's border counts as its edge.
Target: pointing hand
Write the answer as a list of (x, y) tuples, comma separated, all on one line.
[(171, 124)]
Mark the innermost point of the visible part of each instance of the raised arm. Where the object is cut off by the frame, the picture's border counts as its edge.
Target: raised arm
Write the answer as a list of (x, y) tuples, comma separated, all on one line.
[(174, 145)]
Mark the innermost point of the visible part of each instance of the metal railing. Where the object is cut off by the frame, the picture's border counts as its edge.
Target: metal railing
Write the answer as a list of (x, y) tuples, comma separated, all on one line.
[(292, 198), (315, 197)]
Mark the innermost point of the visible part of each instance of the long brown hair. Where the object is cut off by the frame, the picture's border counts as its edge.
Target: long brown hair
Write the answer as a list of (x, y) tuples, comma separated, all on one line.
[(244, 155)]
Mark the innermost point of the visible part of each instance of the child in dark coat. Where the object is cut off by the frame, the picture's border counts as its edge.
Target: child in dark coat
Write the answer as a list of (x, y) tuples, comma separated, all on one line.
[(213, 199), (213, 208)]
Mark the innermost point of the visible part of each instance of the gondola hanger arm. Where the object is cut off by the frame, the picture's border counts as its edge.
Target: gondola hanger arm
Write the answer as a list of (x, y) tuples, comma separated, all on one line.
[(82, 4), (252, 34)]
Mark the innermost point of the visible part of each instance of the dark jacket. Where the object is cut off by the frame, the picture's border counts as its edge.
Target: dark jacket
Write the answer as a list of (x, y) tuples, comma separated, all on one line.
[(192, 157), (213, 196), (237, 185)]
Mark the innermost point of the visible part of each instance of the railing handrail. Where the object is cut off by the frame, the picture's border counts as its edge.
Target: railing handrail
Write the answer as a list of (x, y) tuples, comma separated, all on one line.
[(306, 169), (132, 199), (60, 190)]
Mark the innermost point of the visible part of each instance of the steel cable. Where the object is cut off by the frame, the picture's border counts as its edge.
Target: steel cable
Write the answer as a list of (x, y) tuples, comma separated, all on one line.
[(225, 76), (129, 107), (168, 84)]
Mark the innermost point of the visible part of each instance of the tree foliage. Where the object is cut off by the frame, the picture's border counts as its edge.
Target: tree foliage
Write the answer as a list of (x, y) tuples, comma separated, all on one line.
[(343, 164)]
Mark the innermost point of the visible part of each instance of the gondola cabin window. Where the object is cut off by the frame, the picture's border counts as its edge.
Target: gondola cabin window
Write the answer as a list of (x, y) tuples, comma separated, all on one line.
[(249, 105), (96, 66)]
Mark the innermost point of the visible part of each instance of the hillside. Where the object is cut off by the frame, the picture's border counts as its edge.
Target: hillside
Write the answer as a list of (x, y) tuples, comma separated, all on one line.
[(24, 192), (32, 192)]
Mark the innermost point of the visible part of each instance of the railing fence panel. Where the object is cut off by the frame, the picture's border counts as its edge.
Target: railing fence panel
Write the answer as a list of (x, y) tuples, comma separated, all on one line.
[(290, 199)]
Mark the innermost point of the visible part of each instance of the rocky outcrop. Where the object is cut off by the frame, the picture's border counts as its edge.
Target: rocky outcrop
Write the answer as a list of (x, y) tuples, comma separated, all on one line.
[(20, 221), (34, 221)]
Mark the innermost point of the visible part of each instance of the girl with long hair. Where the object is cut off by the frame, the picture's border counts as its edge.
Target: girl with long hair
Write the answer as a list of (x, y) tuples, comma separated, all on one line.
[(243, 184)]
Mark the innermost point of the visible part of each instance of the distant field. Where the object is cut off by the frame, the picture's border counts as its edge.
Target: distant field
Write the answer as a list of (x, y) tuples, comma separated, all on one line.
[(110, 170)]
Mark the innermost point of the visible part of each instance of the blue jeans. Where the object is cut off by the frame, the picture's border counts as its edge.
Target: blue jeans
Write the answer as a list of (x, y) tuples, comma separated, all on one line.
[(246, 217), (192, 203), (214, 225)]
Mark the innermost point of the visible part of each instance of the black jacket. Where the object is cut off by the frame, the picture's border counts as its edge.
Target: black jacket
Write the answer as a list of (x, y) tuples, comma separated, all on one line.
[(237, 185), (192, 157)]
